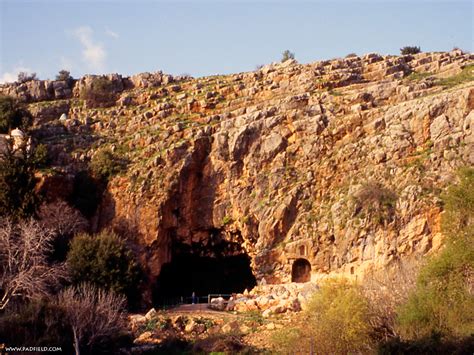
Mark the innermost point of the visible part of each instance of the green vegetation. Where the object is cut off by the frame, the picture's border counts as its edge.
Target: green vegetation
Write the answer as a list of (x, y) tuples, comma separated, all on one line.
[(286, 55), (407, 50), (18, 198), (65, 75), (103, 260), (105, 164), (12, 115), (466, 75), (336, 322), (226, 220), (442, 302), (416, 76)]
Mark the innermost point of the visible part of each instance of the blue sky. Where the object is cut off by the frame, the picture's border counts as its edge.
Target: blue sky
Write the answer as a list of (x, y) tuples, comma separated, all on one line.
[(215, 37)]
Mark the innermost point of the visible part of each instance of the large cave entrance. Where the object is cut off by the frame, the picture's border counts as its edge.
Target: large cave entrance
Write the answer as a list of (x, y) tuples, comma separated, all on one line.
[(216, 268), (301, 271)]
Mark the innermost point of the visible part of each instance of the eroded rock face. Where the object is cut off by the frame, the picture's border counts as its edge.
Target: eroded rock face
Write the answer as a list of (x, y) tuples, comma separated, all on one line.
[(274, 160)]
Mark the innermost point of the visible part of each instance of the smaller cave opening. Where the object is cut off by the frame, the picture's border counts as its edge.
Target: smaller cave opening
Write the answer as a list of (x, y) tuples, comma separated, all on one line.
[(301, 271), (218, 268)]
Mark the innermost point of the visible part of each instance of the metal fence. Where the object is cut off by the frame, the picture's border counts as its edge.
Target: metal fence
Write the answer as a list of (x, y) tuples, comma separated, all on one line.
[(171, 302)]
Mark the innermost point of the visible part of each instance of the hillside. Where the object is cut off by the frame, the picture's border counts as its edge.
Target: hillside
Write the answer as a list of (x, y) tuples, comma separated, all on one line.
[(304, 170)]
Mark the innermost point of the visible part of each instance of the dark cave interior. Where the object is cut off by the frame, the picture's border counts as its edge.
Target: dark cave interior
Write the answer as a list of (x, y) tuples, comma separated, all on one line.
[(218, 268)]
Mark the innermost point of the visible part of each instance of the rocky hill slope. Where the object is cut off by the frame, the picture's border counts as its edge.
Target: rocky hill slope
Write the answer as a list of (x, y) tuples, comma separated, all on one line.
[(330, 167)]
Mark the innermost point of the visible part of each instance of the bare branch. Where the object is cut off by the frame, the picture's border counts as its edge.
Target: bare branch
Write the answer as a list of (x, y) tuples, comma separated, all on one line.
[(95, 315), (62, 219), (24, 268)]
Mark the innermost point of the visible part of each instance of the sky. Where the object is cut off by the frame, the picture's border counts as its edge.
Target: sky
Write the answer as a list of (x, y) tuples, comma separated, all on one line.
[(215, 37)]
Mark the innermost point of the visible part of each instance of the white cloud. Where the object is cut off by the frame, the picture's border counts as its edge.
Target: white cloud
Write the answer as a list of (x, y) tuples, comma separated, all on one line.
[(111, 33), (11, 76), (93, 53)]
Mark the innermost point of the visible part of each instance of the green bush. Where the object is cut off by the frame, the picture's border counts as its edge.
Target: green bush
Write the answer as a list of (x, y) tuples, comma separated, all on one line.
[(12, 115), (442, 301), (336, 322), (65, 75), (407, 50), (105, 164), (18, 198), (99, 94), (103, 260), (286, 55)]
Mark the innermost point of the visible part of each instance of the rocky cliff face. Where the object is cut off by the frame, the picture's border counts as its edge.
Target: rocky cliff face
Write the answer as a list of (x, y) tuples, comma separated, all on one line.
[(339, 162)]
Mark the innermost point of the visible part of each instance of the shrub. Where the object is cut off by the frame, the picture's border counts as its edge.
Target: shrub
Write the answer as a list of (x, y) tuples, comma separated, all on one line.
[(336, 321), (291, 341), (103, 260), (339, 318), (12, 115), (386, 290), (95, 317), (24, 251), (407, 50), (65, 75), (64, 222), (286, 55), (24, 77), (18, 198), (99, 94), (105, 164), (376, 202), (442, 301)]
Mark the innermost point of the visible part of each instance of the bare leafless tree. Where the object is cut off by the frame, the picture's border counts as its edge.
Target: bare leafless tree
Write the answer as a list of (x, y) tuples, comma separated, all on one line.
[(386, 290), (95, 315), (62, 219), (24, 268)]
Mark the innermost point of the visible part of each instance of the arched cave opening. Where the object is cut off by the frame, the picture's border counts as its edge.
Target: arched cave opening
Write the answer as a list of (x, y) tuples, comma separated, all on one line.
[(301, 271), (216, 268)]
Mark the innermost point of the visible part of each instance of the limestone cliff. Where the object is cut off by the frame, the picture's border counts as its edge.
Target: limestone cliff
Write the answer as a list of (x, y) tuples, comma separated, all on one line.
[(339, 162)]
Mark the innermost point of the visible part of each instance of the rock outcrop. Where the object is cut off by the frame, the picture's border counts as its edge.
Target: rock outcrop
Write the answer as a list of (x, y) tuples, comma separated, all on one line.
[(275, 160)]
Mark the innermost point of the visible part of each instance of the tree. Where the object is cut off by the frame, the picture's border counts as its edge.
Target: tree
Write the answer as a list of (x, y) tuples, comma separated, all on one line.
[(105, 164), (65, 222), (65, 75), (62, 219), (407, 50), (96, 316), (286, 55), (24, 77), (18, 198), (103, 260), (12, 115), (24, 251)]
